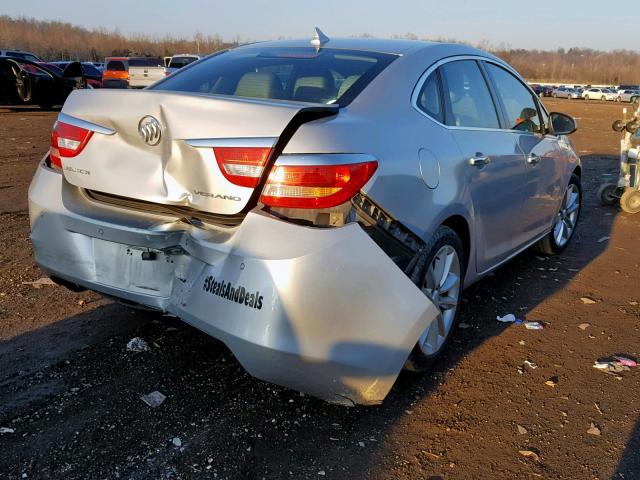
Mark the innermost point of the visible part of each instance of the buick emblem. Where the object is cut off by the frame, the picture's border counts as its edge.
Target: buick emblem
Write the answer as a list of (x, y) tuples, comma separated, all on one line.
[(150, 130)]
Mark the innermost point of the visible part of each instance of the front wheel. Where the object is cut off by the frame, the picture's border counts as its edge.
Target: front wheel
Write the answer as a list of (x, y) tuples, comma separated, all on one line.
[(440, 279), (566, 220), (630, 200), (603, 98)]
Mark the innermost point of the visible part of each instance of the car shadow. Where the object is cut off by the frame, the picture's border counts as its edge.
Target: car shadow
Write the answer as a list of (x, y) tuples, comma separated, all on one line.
[(629, 465), (72, 390)]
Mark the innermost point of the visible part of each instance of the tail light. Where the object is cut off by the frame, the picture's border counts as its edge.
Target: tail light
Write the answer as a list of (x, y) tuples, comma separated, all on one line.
[(242, 165), (67, 141), (116, 74), (315, 186)]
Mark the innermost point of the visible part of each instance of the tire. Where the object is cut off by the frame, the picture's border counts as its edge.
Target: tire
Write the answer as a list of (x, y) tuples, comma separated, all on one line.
[(444, 248), (555, 95), (630, 200), (603, 98), (607, 194), (633, 99), (618, 99), (566, 221)]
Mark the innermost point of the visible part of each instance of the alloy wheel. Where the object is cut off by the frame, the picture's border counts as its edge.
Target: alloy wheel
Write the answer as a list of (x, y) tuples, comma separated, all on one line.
[(442, 285), (567, 216)]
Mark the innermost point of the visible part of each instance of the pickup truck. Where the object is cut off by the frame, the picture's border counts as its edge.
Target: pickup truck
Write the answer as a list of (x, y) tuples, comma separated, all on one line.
[(143, 71)]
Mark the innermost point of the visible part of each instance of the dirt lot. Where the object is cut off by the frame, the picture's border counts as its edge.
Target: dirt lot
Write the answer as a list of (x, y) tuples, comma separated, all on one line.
[(71, 391)]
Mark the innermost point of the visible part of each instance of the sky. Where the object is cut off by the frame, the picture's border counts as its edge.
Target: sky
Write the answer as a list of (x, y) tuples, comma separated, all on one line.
[(513, 23)]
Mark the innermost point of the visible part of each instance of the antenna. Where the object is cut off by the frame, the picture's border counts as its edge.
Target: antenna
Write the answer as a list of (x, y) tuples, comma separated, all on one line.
[(318, 39)]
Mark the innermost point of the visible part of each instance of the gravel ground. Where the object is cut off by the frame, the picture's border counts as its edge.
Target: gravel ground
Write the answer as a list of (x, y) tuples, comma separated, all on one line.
[(70, 391)]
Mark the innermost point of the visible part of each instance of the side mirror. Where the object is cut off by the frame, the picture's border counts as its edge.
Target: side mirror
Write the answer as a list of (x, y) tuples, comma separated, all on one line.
[(562, 124)]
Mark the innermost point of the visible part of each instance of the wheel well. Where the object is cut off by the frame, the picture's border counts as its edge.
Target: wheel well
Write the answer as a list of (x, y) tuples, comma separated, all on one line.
[(459, 225)]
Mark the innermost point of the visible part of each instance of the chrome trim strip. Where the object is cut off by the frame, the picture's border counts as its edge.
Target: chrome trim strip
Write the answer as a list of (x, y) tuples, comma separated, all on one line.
[(425, 75), (78, 122), (266, 142), (324, 159)]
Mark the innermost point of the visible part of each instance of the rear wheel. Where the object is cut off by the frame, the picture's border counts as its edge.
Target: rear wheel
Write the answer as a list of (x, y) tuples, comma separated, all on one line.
[(630, 201), (441, 280), (566, 220), (603, 98)]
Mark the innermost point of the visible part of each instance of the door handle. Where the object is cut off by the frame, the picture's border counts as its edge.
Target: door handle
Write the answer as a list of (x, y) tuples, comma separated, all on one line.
[(533, 159), (479, 160)]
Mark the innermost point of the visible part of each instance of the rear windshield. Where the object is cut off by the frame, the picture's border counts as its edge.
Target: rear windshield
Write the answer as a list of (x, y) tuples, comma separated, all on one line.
[(146, 62), (115, 65), (179, 62), (299, 74)]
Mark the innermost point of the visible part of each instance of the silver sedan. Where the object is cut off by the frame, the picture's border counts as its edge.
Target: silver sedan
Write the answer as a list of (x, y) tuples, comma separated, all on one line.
[(630, 96), (317, 206)]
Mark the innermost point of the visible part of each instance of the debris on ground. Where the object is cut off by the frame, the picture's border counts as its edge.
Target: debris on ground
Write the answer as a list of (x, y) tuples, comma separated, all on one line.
[(522, 430), (603, 239), (552, 382), (593, 430), (598, 408), (531, 365), (615, 365), (584, 326), (533, 325), (508, 318), (464, 326), (154, 399), (137, 344), (587, 300), (44, 281), (6, 430), (176, 442), (530, 454)]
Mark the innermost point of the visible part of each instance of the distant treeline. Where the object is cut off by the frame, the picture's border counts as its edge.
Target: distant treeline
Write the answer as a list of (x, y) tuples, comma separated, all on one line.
[(54, 40)]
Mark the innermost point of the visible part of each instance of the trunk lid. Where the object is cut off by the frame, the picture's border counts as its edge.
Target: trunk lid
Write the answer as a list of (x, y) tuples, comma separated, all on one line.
[(181, 169)]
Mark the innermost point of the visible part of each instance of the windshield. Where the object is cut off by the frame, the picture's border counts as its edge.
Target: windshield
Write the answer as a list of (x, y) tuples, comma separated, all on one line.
[(299, 74)]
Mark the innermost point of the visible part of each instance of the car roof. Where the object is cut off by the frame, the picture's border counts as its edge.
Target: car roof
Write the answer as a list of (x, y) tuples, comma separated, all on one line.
[(392, 46)]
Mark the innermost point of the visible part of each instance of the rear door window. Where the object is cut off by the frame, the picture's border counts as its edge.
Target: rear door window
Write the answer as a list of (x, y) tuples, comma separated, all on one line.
[(467, 99), (518, 102)]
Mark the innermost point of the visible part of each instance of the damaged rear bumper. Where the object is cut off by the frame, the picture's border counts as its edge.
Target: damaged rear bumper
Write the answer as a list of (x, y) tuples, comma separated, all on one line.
[(323, 311)]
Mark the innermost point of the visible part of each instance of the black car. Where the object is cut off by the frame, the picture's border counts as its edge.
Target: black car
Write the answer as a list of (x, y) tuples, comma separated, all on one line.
[(24, 82)]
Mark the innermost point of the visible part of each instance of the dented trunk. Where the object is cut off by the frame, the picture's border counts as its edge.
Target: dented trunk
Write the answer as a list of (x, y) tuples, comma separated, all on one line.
[(160, 148)]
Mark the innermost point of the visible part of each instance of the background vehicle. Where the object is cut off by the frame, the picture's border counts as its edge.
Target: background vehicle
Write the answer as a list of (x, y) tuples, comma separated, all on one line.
[(359, 246), (144, 71), (116, 73), (628, 96), (179, 61), (566, 92), (91, 72), (599, 94), (20, 54), (23, 82), (623, 87)]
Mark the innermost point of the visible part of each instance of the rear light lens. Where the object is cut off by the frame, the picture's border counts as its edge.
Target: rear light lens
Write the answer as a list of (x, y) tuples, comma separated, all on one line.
[(116, 74), (315, 186), (67, 141), (242, 165)]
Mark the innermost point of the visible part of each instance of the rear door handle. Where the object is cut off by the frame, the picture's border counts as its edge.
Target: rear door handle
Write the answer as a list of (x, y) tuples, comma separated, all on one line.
[(479, 160), (533, 159)]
